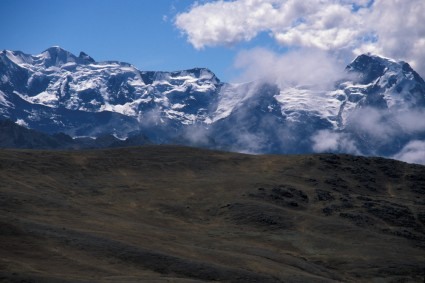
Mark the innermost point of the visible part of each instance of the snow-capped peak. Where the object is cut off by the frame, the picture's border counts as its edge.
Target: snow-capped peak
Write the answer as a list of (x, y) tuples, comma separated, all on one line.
[(394, 84), (55, 56)]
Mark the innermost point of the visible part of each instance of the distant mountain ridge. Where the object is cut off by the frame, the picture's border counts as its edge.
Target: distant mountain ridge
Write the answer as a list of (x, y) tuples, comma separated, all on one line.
[(372, 111), (13, 135)]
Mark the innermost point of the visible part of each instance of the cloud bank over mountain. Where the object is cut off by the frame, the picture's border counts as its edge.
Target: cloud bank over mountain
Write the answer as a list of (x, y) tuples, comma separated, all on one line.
[(315, 38), (303, 67), (390, 28)]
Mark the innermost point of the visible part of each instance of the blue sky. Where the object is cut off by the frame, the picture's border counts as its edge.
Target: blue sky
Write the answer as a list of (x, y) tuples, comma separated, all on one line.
[(177, 34), (140, 32)]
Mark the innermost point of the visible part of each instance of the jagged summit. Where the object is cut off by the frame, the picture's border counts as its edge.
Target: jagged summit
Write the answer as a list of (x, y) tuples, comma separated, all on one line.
[(396, 83), (55, 49), (369, 67), (86, 58), (51, 57), (57, 56)]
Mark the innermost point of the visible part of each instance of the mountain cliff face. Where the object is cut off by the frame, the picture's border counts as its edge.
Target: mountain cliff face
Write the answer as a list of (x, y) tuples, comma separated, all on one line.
[(374, 110)]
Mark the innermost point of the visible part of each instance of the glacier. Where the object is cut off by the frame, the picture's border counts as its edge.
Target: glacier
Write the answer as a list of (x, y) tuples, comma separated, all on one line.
[(370, 110)]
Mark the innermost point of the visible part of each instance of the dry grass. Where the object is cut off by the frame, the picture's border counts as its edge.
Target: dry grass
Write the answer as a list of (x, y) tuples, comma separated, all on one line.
[(175, 214)]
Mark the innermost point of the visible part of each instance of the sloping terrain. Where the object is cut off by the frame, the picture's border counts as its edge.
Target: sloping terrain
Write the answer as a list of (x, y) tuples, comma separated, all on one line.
[(175, 214)]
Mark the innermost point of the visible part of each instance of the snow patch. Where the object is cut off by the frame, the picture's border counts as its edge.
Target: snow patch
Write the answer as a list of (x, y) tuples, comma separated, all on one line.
[(178, 106), (324, 103), (18, 59), (22, 123), (44, 98), (4, 101), (4, 79), (229, 97)]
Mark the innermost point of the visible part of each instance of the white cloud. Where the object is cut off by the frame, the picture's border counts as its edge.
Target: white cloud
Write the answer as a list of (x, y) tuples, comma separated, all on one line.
[(383, 125), (398, 26), (322, 35), (412, 121), (325, 24), (316, 23), (392, 28), (226, 23), (379, 128), (413, 152), (330, 141), (333, 26), (374, 123), (303, 67), (196, 135)]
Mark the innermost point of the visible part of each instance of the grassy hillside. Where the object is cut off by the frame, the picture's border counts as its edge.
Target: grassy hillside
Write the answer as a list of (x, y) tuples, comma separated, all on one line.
[(175, 214)]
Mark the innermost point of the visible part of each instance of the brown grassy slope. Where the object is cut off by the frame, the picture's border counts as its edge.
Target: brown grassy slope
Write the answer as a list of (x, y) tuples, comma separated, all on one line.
[(175, 214)]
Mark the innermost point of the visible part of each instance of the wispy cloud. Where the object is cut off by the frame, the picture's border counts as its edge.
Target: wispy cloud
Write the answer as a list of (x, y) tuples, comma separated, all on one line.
[(413, 152), (331, 141), (378, 131), (385, 125), (302, 67)]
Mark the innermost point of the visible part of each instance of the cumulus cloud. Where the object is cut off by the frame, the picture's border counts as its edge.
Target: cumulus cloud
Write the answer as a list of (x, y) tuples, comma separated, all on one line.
[(318, 23), (328, 27), (399, 31), (413, 152), (391, 28), (226, 23)]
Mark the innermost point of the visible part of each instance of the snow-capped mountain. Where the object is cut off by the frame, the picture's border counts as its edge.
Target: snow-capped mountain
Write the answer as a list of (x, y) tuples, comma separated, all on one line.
[(374, 110), (46, 91)]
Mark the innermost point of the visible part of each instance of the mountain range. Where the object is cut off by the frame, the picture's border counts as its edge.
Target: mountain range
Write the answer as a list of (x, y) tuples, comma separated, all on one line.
[(374, 108), (166, 212)]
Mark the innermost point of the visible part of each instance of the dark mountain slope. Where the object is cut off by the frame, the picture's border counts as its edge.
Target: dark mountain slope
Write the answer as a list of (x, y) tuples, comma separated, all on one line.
[(177, 214), (13, 135)]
